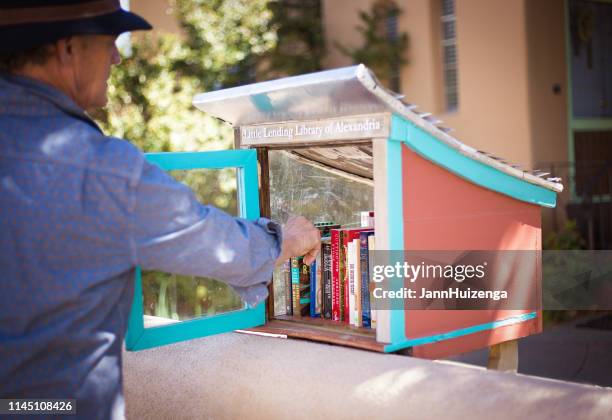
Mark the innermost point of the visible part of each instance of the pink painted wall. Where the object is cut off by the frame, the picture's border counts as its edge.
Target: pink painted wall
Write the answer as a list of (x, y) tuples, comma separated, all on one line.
[(445, 212)]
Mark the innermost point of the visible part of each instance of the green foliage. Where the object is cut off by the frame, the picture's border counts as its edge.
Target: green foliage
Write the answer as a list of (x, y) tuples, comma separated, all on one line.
[(300, 42), (224, 39), (150, 105), (184, 297), (382, 53), (568, 238), (150, 93)]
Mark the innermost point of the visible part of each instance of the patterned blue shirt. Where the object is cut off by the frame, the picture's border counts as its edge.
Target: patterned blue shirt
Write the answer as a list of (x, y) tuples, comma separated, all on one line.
[(78, 211)]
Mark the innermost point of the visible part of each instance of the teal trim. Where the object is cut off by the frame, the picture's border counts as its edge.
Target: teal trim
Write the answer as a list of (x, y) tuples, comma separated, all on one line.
[(476, 172), (138, 337), (201, 327), (459, 333), (395, 228), (218, 159)]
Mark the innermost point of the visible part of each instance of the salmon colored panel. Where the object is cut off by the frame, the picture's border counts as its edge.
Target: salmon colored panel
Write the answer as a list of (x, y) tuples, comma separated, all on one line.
[(445, 212)]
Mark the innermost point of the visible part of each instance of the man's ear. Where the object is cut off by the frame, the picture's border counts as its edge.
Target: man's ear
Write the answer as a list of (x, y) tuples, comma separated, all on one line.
[(65, 49)]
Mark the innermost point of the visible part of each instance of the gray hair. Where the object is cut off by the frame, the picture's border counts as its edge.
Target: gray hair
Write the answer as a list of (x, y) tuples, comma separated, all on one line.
[(13, 61)]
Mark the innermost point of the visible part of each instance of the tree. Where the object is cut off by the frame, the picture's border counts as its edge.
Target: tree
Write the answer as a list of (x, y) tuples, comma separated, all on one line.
[(383, 49), (150, 104), (300, 42)]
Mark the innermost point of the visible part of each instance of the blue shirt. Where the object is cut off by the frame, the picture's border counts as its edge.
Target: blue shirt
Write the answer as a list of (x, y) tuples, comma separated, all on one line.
[(78, 211)]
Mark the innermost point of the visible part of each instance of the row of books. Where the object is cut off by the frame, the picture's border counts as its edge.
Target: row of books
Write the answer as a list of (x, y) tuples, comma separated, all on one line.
[(336, 285)]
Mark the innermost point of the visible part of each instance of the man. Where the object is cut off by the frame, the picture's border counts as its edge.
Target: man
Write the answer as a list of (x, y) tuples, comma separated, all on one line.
[(79, 210)]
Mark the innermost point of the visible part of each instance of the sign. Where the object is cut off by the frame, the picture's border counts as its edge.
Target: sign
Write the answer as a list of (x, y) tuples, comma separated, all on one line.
[(314, 131)]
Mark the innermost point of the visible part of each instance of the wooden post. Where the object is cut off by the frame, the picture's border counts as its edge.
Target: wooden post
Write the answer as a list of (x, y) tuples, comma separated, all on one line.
[(264, 208), (504, 356)]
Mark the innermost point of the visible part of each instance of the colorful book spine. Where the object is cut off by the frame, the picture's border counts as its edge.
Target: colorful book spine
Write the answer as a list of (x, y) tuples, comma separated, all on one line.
[(313, 291), (304, 288), (347, 236), (287, 285), (350, 262), (357, 314), (373, 314), (295, 284), (318, 284), (343, 284), (335, 280), (326, 298), (364, 242)]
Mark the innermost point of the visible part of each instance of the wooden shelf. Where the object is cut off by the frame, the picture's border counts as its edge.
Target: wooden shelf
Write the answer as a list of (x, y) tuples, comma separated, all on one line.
[(321, 330)]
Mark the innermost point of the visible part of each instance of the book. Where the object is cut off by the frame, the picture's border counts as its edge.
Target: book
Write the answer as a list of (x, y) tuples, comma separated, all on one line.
[(300, 285), (346, 236), (373, 315), (350, 264), (316, 271), (295, 285), (315, 289), (287, 284), (365, 238), (367, 219), (326, 274), (336, 245), (357, 279)]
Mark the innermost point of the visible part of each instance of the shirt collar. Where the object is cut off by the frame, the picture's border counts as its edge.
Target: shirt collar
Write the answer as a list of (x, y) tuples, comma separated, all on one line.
[(51, 94)]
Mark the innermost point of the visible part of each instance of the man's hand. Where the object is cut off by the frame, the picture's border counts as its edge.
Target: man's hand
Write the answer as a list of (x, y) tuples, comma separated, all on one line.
[(300, 237)]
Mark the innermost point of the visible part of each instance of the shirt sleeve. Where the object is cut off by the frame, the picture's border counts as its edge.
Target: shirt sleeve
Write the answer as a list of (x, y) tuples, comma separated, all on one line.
[(173, 232)]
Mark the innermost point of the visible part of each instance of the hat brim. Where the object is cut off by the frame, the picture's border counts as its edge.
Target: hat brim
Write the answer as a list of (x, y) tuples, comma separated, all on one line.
[(25, 36)]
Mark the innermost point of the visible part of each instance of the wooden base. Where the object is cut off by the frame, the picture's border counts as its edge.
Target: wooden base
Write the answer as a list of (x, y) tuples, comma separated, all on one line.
[(504, 356), (321, 330)]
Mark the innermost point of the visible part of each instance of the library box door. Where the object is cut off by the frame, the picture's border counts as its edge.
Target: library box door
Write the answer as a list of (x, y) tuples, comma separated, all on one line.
[(168, 308)]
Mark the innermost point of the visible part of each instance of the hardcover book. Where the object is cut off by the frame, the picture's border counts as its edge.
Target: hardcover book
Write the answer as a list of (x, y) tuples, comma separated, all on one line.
[(287, 284), (335, 272), (347, 236), (364, 241), (300, 285), (326, 273)]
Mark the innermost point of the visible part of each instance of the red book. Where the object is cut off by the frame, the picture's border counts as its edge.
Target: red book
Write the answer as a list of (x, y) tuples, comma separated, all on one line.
[(335, 280), (347, 236)]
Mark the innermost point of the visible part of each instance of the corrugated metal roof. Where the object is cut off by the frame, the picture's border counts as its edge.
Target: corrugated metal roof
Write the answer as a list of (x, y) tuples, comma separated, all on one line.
[(335, 93)]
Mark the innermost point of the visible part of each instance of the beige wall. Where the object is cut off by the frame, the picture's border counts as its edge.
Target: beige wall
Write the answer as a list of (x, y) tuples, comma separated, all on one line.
[(493, 89), (548, 111), (494, 98), (547, 67), (421, 78), (157, 12), (510, 53)]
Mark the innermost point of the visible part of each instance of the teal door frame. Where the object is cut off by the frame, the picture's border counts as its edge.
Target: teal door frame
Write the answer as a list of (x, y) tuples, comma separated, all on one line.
[(245, 161)]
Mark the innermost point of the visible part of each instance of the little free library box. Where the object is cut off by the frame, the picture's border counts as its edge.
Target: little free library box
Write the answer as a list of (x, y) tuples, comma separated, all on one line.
[(329, 146)]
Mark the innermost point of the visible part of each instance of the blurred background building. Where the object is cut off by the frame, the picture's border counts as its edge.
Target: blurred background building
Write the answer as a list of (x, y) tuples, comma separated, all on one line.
[(528, 80)]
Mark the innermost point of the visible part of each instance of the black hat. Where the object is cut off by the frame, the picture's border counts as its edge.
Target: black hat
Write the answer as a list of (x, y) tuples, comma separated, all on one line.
[(26, 24)]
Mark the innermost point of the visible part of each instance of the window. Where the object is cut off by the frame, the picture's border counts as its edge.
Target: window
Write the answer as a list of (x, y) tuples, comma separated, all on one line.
[(449, 55), (392, 34)]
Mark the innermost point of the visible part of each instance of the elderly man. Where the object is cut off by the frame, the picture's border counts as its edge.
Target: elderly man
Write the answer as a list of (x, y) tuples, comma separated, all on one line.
[(79, 210)]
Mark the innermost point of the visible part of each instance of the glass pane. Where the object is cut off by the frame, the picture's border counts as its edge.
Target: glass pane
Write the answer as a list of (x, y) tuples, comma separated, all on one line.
[(321, 195), (171, 298)]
